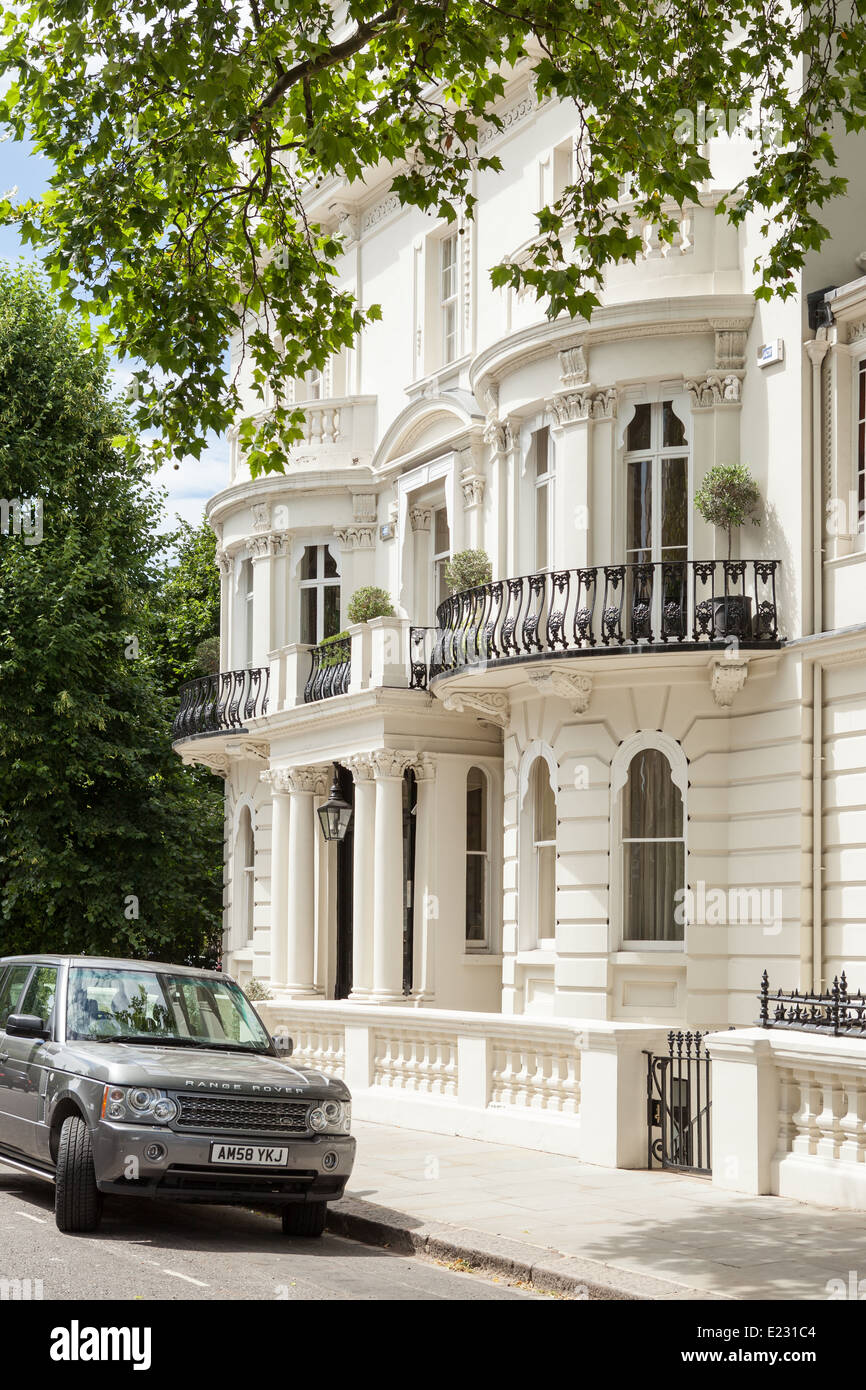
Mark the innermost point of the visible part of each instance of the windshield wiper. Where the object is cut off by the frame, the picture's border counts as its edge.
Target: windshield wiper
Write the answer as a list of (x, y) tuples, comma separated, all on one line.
[(187, 1042)]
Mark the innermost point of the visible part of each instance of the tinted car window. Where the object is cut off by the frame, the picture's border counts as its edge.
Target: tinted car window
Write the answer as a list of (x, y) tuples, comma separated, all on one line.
[(10, 992), (39, 996)]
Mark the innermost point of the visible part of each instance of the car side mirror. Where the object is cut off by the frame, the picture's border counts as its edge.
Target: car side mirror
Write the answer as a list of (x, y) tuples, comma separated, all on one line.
[(283, 1044), (26, 1026)]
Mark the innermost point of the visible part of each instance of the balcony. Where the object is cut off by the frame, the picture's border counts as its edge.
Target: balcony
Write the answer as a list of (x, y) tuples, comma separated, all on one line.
[(330, 670), (221, 703), (599, 610)]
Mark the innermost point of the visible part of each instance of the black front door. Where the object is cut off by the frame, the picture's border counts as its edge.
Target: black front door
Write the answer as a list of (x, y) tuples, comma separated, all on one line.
[(345, 880)]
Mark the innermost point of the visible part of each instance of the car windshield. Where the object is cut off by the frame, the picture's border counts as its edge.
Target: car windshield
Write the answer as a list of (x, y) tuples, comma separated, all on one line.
[(116, 1005)]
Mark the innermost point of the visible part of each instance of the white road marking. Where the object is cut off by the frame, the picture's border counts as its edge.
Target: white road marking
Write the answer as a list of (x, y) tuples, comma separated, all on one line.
[(188, 1277), (40, 1219)]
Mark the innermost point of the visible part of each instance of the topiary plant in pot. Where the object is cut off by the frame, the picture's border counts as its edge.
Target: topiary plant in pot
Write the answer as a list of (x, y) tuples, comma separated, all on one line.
[(369, 602), (727, 498), (466, 570)]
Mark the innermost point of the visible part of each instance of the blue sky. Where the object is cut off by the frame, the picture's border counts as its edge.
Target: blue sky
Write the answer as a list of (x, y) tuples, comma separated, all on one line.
[(194, 481)]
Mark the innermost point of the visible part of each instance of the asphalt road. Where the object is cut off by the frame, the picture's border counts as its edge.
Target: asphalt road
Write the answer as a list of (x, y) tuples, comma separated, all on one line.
[(145, 1250)]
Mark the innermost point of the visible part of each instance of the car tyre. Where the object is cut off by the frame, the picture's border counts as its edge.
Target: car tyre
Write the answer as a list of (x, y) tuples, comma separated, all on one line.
[(77, 1199), (305, 1220)]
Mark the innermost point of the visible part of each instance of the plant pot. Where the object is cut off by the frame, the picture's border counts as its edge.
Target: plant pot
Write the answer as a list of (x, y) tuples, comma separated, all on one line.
[(732, 617)]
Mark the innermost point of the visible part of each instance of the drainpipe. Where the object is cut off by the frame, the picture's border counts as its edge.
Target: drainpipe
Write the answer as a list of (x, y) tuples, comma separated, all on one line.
[(813, 615), (817, 827)]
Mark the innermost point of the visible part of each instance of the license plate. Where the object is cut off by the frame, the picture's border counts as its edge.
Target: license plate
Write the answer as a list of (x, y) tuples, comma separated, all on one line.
[(255, 1155)]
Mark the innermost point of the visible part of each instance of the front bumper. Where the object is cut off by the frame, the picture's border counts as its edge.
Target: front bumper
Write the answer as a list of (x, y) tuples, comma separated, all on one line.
[(186, 1174)]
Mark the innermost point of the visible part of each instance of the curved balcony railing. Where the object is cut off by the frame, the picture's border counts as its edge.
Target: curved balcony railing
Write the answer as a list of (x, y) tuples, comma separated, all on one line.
[(330, 670), (221, 702), (668, 604)]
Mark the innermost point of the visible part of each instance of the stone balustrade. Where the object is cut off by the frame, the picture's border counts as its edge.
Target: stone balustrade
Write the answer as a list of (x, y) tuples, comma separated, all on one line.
[(569, 1086)]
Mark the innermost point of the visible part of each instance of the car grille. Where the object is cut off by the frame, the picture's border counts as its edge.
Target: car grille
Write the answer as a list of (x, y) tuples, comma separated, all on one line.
[(242, 1113)]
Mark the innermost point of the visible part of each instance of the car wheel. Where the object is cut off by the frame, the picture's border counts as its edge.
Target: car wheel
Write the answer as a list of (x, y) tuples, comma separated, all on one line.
[(77, 1199), (305, 1220)]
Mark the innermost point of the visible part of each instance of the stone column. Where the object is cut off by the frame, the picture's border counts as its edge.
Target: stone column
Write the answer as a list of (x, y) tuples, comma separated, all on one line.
[(388, 768), (304, 784), (419, 520), (361, 767), (426, 900), (279, 874)]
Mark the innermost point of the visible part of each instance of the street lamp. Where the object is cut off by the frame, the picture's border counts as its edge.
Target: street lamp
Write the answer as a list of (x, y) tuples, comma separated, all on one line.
[(335, 814)]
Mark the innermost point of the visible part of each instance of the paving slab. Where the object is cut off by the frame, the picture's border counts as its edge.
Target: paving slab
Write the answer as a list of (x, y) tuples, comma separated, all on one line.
[(589, 1232)]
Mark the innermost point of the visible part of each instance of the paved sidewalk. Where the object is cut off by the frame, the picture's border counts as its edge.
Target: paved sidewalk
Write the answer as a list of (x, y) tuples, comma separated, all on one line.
[(697, 1240)]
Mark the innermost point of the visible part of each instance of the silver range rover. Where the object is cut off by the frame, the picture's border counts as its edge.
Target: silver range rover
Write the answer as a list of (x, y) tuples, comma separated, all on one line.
[(135, 1078)]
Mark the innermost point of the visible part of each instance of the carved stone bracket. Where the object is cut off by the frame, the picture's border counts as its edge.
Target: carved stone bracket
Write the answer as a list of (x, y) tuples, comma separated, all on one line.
[(261, 514), (727, 678), (573, 686), (356, 537), (572, 366), (472, 485), (586, 403), (217, 763), (256, 749), (715, 389), (420, 518), (491, 708), (731, 335), (224, 561)]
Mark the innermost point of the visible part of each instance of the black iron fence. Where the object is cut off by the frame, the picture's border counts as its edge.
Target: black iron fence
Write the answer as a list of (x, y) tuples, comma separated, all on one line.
[(838, 1011), (221, 702), (679, 1104), (669, 603), (330, 669)]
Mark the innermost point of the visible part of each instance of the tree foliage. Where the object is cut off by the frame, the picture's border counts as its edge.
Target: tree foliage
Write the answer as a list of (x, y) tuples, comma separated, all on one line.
[(107, 845), (184, 135)]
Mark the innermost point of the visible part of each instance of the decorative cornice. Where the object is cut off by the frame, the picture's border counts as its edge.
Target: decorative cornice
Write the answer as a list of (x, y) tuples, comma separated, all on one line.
[(715, 389), (586, 403), (727, 678), (568, 685), (492, 708)]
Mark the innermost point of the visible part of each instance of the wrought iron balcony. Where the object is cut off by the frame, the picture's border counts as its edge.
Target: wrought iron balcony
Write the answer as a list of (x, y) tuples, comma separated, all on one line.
[(669, 605), (221, 703), (330, 670)]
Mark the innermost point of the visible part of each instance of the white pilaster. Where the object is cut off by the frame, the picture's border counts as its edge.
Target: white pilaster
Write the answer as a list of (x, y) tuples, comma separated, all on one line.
[(304, 783), (361, 768), (388, 768)]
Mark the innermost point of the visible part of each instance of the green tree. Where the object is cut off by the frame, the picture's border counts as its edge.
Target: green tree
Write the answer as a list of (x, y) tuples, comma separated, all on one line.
[(106, 843), (184, 617), (188, 136)]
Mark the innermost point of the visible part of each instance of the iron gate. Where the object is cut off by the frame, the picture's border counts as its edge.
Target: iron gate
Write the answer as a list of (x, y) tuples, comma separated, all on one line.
[(678, 1105)]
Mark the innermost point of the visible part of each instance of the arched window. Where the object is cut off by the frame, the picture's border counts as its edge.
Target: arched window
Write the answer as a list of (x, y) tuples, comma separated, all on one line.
[(477, 861), (653, 851), (244, 895), (543, 820)]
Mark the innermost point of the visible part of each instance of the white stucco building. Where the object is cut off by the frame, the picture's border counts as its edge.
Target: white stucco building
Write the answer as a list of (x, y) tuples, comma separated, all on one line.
[(555, 773)]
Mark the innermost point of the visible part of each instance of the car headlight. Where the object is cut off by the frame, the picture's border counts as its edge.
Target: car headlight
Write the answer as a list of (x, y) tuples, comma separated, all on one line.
[(137, 1105), (331, 1117)]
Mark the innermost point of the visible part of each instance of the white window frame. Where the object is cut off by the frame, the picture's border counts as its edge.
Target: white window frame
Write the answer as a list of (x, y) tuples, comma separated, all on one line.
[(528, 880), (545, 482), (620, 765), (656, 453), (449, 298), (320, 583), (248, 600), (438, 558)]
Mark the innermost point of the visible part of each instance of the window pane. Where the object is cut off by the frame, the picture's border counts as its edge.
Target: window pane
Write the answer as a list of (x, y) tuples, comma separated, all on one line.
[(638, 433), (652, 804), (441, 535), (639, 504), (541, 449), (309, 605), (652, 873), (13, 984), (673, 429), (310, 562), (449, 331), (541, 523), (546, 866), (39, 998), (544, 826), (476, 874), (476, 810), (331, 623), (675, 516)]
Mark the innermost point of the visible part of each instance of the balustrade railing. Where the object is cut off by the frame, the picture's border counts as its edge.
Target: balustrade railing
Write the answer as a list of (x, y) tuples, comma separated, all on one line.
[(330, 670), (838, 1011), (221, 702), (667, 603)]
